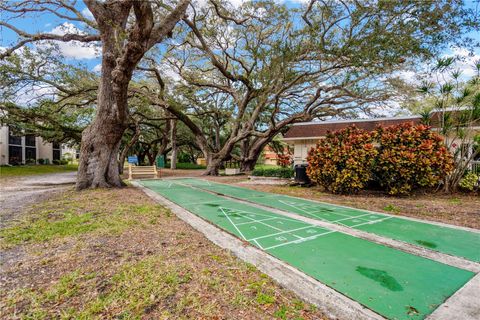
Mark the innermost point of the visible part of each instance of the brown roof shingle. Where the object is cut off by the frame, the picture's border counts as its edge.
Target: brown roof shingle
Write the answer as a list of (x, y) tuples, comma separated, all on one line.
[(320, 129), (309, 130)]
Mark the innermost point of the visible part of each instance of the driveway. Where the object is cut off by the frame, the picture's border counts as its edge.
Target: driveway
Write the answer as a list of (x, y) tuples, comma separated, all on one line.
[(17, 193)]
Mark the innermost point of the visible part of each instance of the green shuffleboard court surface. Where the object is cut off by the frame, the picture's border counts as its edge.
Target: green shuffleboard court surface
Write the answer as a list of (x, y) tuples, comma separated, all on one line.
[(395, 284), (447, 240)]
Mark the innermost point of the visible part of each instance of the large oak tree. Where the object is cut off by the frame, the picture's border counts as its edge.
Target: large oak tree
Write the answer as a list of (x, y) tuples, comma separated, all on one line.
[(259, 68), (126, 30)]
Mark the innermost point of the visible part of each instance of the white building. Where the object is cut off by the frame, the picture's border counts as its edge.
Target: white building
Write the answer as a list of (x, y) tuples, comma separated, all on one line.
[(28, 149)]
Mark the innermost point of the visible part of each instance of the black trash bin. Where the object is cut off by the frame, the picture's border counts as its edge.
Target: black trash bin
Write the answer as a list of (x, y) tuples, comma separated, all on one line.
[(301, 176)]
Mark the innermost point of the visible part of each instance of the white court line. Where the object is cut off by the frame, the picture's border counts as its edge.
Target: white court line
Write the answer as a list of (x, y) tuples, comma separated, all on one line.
[(348, 217), (270, 218), (370, 222), (266, 224), (300, 240), (258, 244), (203, 202), (233, 224), (305, 211), (362, 215), (242, 223), (286, 231)]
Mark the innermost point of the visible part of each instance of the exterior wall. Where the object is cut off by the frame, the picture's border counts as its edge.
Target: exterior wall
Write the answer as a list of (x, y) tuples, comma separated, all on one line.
[(68, 151), (301, 148), (270, 162), (3, 145), (44, 150)]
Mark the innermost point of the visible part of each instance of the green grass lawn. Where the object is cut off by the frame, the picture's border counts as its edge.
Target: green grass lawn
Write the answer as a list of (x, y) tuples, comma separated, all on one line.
[(266, 166), (17, 171), (116, 254)]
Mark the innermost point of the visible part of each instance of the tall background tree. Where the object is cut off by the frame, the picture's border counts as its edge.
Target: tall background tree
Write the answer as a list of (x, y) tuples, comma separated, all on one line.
[(452, 100), (237, 76), (264, 66), (125, 30)]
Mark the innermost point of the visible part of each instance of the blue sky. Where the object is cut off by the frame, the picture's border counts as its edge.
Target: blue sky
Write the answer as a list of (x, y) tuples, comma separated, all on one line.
[(89, 55), (44, 22)]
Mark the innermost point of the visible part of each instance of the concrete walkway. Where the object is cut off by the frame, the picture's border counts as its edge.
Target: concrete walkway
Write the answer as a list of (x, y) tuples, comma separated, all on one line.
[(17, 193)]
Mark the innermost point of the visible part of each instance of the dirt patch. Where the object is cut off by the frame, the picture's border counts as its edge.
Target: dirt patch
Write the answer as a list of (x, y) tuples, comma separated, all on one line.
[(17, 193), (117, 254), (458, 209)]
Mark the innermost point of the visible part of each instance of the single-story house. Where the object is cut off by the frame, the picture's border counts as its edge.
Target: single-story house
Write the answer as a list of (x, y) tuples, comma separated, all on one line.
[(305, 135), (28, 149)]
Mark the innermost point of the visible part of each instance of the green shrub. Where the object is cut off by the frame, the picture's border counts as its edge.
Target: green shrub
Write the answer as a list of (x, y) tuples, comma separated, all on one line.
[(273, 172), (410, 157), (469, 182), (63, 161), (189, 165), (41, 161), (57, 162), (258, 172), (343, 161)]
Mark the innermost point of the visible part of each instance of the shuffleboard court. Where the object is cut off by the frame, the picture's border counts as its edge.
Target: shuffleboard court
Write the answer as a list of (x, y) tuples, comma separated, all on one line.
[(447, 240), (395, 284)]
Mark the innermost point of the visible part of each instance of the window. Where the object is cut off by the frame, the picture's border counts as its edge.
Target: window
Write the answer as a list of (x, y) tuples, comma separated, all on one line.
[(15, 155), (30, 154), (56, 151), (30, 140), (15, 140)]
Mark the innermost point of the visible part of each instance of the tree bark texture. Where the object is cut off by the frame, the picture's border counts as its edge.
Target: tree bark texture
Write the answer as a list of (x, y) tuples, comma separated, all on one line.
[(123, 46)]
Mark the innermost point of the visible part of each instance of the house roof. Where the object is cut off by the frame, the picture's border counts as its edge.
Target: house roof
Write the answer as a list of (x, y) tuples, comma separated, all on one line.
[(318, 129)]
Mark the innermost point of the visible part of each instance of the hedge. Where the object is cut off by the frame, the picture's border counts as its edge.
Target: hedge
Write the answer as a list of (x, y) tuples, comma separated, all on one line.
[(273, 172)]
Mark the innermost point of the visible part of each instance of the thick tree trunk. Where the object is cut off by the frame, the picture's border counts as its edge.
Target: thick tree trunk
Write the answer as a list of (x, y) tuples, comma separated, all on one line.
[(123, 154), (162, 150), (247, 165), (213, 166), (151, 158), (251, 154), (99, 154), (121, 52), (214, 160), (173, 138), (100, 145)]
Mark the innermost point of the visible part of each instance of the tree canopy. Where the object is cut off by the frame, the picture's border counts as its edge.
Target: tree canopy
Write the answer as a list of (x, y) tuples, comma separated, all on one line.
[(234, 76)]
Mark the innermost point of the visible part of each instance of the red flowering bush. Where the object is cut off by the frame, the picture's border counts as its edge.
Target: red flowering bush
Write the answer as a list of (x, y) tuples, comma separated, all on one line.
[(343, 161), (284, 160), (410, 156), (407, 157)]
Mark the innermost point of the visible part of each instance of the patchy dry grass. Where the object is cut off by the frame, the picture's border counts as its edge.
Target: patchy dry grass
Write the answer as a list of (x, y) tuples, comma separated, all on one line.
[(115, 254), (458, 209)]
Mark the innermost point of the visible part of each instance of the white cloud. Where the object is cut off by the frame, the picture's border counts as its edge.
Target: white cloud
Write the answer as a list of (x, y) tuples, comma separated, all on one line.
[(97, 68), (32, 93), (74, 49), (408, 76), (465, 62), (236, 3), (295, 1), (87, 14)]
